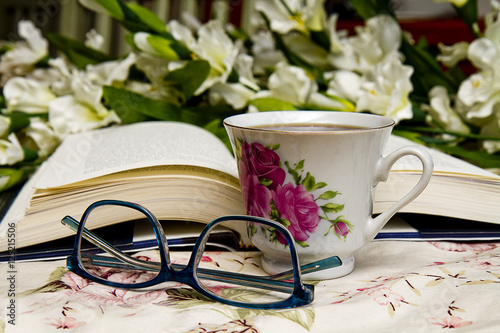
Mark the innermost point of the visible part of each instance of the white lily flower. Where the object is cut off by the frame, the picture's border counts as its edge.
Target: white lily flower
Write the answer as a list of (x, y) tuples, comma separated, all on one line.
[(451, 55), (315, 15), (192, 22), (318, 101), (66, 71), (214, 45), (42, 135), (337, 37), (4, 126), (307, 49), (441, 111), (344, 84), (153, 67), (478, 93), (492, 128), (380, 36), (94, 40), (475, 92), (44, 76), (386, 89), (378, 39), (111, 72), (217, 48), (243, 66), (88, 93), (27, 95), (492, 24), (20, 60), (67, 115), (282, 21), (264, 51), (291, 84), (288, 15), (81, 111), (234, 94), (483, 54), (11, 151), (182, 33), (348, 59), (141, 41), (155, 70)]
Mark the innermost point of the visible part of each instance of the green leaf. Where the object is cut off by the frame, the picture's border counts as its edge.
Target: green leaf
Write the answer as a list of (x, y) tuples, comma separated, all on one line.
[(265, 181), (370, 8), (252, 229), (215, 127), (320, 38), (332, 208), (57, 274), (183, 298), (132, 107), (263, 230), (293, 171), (413, 136), (429, 73), (18, 120), (468, 13), (113, 7), (319, 185), (10, 177), (285, 222), (302, 243), (328, 195), (163, 47), (477, 157), (272, 104), (29, 155), (79, 54), (274, 214), (309, 182), (190, 77), (148, 17), (302, 317)]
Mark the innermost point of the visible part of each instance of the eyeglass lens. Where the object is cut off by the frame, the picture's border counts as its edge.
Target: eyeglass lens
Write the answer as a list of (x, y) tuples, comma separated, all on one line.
[(246, 267), (117, 266)]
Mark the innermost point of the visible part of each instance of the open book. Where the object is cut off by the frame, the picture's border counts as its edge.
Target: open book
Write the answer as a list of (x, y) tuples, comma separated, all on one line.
[(176, 170), (182, 172)]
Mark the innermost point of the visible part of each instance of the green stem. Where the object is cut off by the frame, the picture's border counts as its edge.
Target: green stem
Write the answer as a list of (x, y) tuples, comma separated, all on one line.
[(442, 131)]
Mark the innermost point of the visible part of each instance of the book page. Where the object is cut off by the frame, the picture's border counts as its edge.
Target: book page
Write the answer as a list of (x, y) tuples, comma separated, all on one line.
[(443, 163), (96, 153)]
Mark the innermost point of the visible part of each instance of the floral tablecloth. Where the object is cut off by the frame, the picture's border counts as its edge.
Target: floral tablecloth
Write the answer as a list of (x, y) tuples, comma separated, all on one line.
[(395, 287)]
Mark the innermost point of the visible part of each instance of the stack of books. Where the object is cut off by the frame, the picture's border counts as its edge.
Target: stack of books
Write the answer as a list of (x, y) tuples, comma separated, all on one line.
[(183, 173)]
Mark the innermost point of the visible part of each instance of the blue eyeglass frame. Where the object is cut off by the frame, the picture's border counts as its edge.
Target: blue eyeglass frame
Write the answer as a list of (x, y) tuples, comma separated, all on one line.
[(302, 294)]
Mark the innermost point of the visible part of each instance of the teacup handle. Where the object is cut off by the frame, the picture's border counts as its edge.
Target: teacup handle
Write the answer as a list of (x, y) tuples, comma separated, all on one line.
[(382, 173)]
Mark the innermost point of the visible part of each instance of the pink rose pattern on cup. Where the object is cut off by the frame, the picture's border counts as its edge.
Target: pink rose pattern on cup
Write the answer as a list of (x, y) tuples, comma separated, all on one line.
[(266, 194)]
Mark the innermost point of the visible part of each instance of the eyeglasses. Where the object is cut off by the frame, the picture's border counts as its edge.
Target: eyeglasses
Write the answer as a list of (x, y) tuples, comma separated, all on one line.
[(230, 285)]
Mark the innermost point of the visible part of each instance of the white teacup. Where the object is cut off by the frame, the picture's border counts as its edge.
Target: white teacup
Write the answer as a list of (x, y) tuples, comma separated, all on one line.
[(316, 172)]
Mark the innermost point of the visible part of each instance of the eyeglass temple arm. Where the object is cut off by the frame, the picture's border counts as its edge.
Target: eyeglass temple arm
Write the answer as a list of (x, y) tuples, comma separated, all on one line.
[(102, 244)]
